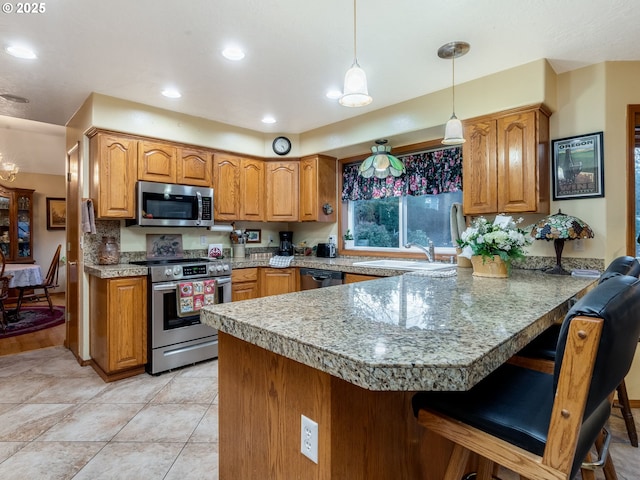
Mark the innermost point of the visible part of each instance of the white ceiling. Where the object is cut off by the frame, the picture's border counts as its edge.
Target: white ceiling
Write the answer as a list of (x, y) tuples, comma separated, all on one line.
[(296, 50)]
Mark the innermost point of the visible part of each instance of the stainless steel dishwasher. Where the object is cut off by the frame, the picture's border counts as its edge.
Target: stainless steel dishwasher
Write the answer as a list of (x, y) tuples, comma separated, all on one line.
[(315, 278)]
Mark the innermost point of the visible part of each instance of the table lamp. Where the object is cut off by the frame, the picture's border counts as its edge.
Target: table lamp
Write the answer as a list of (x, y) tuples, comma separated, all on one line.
[(560, 227)]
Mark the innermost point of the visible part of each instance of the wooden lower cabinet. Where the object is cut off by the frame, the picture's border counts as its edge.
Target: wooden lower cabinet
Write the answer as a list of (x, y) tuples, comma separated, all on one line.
[(276, 281), (118, 326), (357, 277), (244, 284)]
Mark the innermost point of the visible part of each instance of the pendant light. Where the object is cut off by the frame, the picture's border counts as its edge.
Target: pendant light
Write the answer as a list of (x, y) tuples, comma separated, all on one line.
[(453, 129), (355, 92), (381, 163)]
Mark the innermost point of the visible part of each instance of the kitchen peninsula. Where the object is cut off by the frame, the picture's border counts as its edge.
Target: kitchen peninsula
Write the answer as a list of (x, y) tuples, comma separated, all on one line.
[(350, 357)]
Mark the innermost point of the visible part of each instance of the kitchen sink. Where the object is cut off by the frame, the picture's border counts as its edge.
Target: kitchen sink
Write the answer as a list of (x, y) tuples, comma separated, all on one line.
[(404, 265)]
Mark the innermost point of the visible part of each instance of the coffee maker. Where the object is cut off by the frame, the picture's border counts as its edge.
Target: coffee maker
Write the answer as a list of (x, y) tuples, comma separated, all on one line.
[(286, 243)]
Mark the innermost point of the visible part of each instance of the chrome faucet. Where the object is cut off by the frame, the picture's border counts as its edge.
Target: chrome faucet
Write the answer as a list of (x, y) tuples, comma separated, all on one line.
[(429, 251)]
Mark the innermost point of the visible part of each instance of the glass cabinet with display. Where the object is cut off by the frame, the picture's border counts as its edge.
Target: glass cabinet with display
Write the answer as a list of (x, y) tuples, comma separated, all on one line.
[(16, 224)]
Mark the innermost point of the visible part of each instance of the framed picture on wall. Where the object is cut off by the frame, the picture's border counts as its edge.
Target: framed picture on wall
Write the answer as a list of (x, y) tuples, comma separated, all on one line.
[(577, 167), (56, 213), (254, 236)]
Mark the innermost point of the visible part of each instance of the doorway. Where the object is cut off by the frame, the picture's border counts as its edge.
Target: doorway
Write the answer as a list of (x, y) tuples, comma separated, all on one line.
[(633, 180)]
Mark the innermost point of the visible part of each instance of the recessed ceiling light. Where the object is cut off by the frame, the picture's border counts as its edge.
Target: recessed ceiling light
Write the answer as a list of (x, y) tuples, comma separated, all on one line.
[(14, 98), (21, 52), (171, 93), (268, 119), (233, 53), (334, 94)]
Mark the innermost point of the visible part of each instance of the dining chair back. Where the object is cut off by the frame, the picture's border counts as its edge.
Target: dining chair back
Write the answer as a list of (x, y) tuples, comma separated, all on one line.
[(4, 294), (49, 282), (3, 259), (539, 425)]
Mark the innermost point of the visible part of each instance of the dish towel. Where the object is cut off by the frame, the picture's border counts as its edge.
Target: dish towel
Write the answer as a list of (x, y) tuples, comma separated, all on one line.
[(88, 217), (457, 222), (280, 261), (192, 296)]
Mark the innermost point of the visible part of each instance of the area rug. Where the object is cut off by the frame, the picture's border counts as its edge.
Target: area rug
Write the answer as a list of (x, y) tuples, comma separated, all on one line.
[(33, 319)]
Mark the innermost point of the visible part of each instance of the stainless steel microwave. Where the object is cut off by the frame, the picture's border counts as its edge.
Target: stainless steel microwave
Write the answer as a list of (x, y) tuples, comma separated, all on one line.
[(169, 205)]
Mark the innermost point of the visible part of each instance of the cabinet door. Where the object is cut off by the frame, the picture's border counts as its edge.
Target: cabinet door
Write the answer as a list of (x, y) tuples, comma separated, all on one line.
[(252, 190), (114, 173), (157, 162), (282, 191), (275, 281), (517, 163), (244, 291), (194, 167), (479, 166), (357, 277), (317, 189), (226, 187), (127, 317)]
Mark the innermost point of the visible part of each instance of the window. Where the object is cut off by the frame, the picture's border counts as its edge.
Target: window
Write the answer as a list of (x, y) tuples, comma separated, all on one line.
[(387, 213)]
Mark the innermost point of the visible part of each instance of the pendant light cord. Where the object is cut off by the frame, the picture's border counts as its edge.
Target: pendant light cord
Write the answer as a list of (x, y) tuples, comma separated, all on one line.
[(355, 51), (453, 82)]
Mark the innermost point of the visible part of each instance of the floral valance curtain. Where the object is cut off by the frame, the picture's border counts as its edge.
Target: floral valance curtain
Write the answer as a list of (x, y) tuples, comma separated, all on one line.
[(428, 173)]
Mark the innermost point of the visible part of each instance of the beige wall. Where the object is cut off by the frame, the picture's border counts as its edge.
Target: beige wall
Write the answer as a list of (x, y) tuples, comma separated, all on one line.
[(45, 241)]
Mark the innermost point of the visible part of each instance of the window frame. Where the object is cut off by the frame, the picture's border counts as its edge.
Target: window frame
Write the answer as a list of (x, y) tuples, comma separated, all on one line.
[(442, 253)]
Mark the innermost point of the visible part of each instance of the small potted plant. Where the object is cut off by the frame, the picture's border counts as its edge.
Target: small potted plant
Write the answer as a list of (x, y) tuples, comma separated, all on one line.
[(348, 239)]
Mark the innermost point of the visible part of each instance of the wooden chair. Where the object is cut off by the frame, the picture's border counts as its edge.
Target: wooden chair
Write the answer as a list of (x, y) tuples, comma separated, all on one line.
[(50, 281), (538, 425), (541, 352)]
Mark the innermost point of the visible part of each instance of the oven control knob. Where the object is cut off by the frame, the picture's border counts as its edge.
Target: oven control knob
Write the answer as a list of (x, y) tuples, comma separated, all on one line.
[(168, 272), (177, 270), (219, 268), (212, 269), (225, 267)]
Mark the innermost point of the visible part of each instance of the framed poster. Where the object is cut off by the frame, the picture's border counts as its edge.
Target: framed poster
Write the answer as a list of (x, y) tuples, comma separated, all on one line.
[(577, 167), (56, 213)]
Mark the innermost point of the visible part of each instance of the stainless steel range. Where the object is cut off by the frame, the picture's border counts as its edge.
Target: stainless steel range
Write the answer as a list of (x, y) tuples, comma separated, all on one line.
[(178, 288)]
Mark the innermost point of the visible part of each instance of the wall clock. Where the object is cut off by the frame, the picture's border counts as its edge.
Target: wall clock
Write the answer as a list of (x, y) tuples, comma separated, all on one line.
[(281, 145)]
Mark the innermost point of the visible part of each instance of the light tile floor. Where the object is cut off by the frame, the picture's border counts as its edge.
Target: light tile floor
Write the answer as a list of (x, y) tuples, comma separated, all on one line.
[(59, 420)]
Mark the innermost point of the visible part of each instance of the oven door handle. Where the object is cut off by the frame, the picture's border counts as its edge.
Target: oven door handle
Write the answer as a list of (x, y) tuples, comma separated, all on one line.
[(222, 281), (161, 287)]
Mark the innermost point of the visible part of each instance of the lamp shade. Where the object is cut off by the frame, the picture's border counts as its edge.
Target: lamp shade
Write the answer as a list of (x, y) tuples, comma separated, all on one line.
[(355, 93), (453, 132), (560, 227), (381, 163)]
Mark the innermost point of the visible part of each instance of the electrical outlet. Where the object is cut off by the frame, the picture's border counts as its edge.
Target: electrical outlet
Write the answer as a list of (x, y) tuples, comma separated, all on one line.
[(309, 438), (578, 246), (270, 238), (203, 239), (333, 239)]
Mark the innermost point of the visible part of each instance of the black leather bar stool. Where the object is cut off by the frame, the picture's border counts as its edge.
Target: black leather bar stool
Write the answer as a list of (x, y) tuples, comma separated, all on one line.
[(538, 425)]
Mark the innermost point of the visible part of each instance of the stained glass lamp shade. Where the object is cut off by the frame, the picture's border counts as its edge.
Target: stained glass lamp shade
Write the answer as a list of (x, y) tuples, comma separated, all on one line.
[(560, 227), (381, 163)]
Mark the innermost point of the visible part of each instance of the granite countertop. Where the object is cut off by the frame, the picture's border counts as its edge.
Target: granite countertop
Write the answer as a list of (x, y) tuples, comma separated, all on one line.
[(404, 333), (343, 264)]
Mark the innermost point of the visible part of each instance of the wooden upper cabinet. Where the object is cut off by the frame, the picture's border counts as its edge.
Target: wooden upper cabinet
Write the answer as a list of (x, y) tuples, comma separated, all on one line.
[(283, 181), (194, 167), (479, 168), (157, 161), (318, 189), (226, 187), (506, 163), (113, 175), (251, 196)]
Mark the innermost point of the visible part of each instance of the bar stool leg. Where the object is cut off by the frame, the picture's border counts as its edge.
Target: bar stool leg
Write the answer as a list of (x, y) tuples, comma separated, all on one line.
[(623, 403)]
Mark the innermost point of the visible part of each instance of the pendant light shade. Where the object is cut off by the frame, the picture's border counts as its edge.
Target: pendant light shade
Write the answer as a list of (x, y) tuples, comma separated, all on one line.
[(355, 92), (453, 130), (381, 163)]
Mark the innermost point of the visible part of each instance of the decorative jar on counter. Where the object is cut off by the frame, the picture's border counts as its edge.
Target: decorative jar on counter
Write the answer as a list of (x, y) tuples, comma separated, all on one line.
[(108, 252)]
